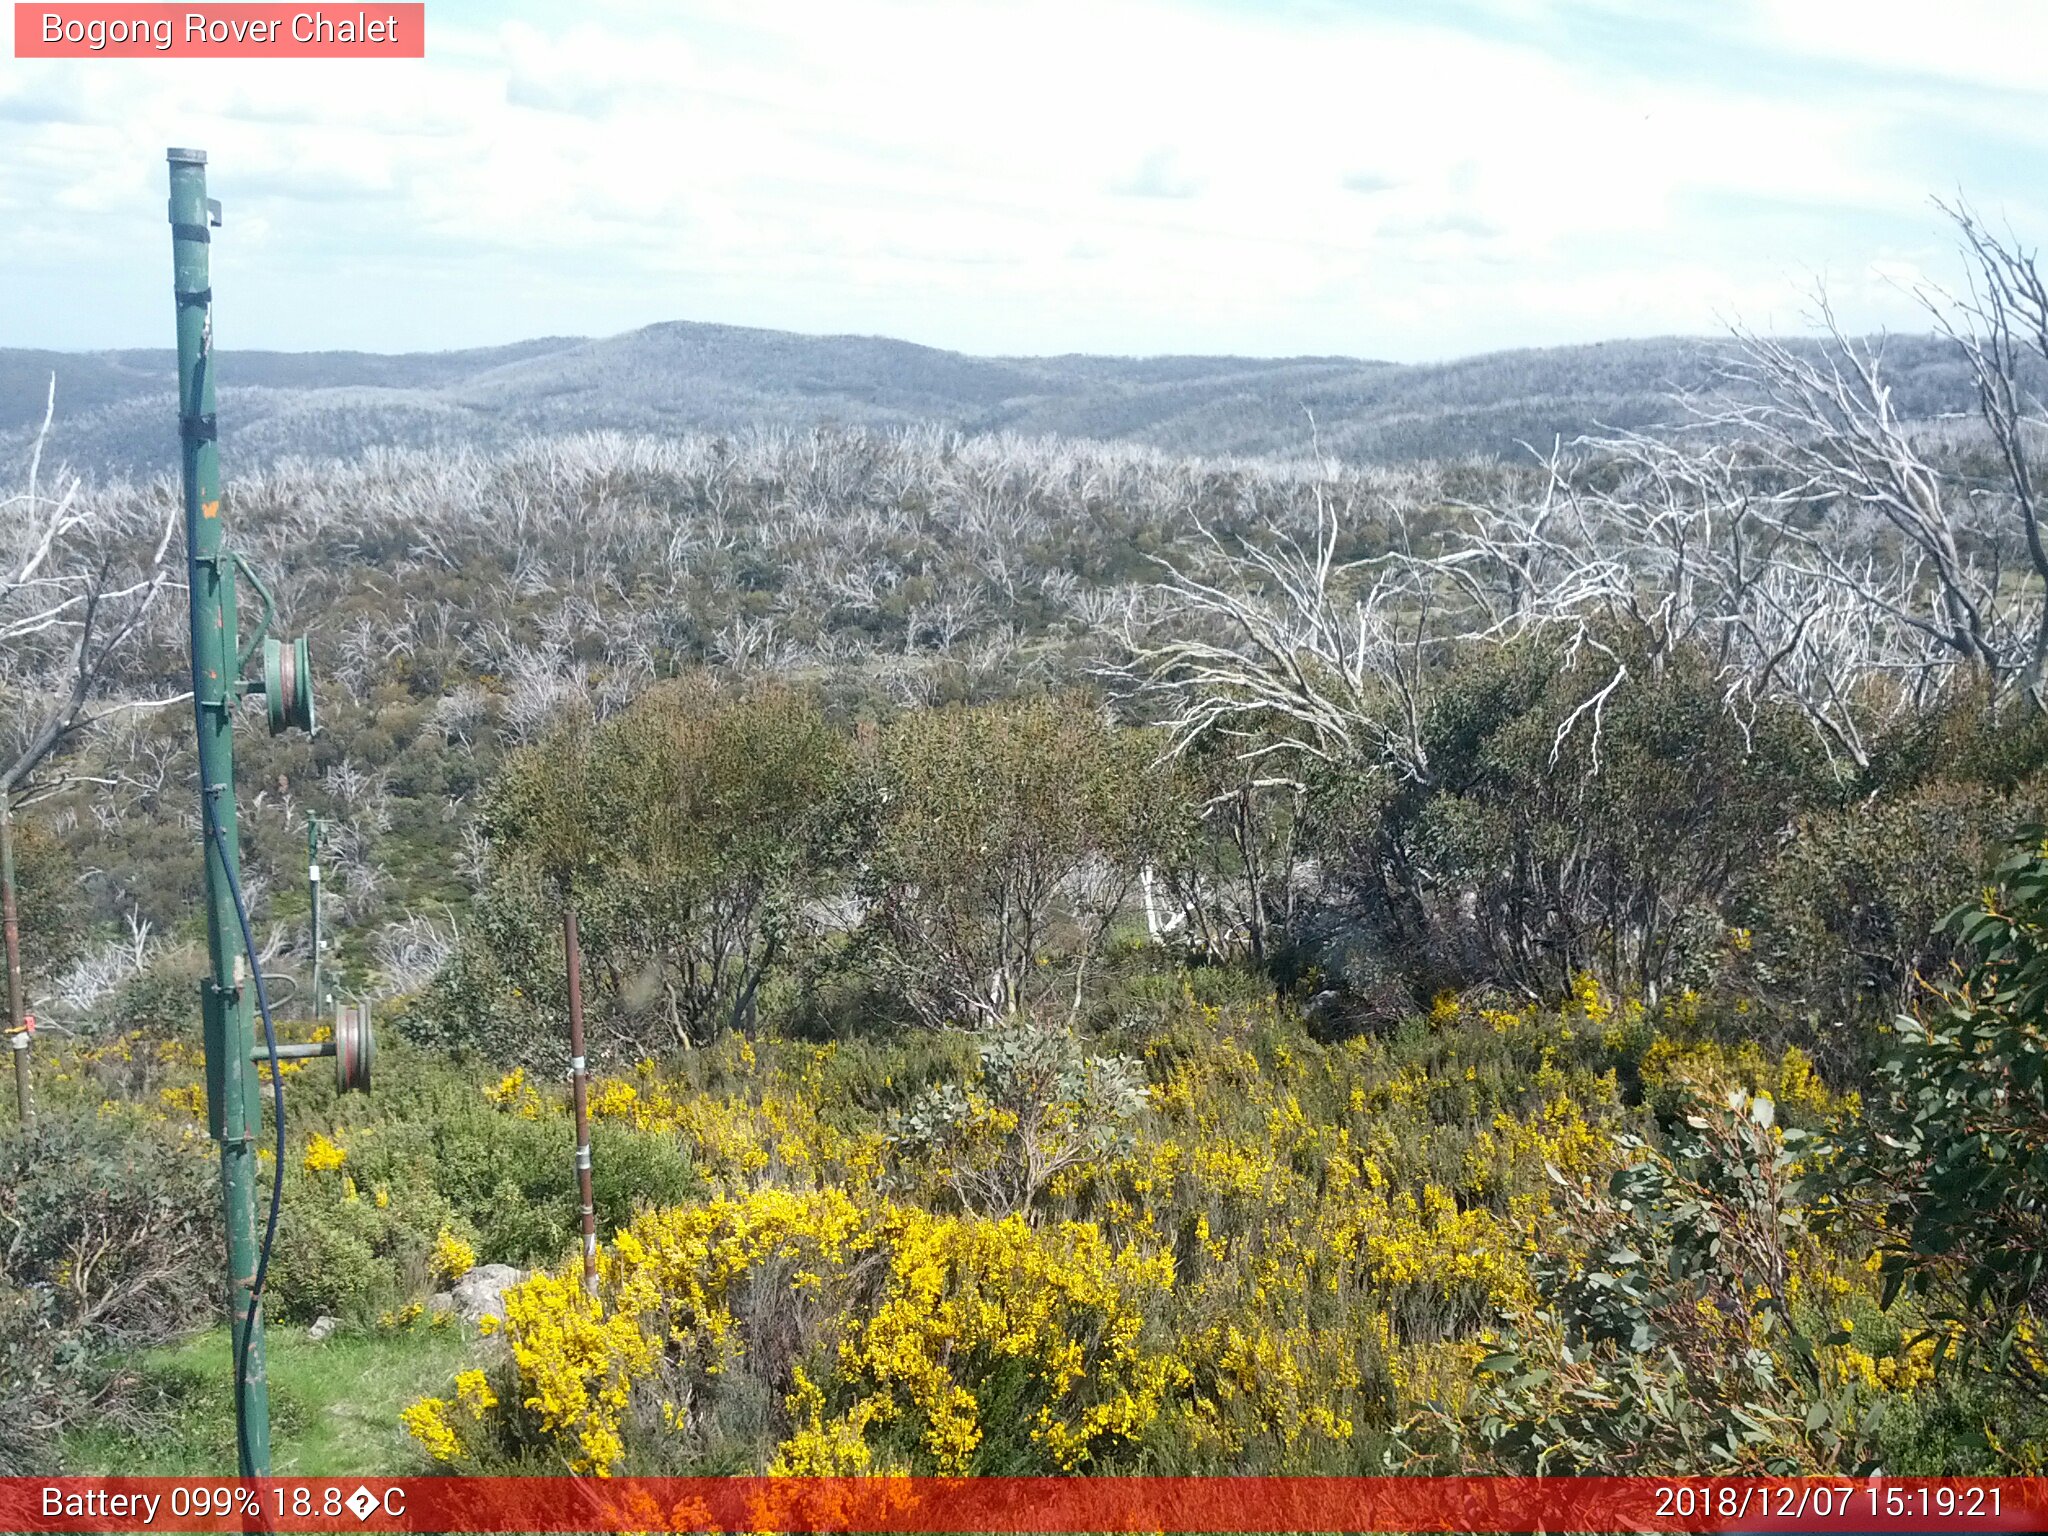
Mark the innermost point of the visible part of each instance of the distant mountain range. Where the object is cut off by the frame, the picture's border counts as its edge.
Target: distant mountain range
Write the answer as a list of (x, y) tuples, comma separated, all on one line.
[(115, 410)]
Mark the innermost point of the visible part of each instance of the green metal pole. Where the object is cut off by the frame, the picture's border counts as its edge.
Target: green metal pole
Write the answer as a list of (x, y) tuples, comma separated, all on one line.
[(234, 1106)]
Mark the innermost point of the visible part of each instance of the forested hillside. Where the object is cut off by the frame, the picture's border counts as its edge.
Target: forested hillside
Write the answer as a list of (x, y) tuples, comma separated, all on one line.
[(1095, 959), (116, 414)]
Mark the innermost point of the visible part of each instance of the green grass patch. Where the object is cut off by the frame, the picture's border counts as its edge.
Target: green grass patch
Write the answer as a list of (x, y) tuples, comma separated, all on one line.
[(333, 1406)]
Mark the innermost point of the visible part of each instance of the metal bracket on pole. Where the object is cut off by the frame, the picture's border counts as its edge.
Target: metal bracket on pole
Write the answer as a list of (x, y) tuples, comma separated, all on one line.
[(255, 639), (352, 1046)]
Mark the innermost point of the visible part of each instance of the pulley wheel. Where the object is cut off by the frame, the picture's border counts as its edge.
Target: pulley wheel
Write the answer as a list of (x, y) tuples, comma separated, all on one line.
[(288, 685), (354, 1048)]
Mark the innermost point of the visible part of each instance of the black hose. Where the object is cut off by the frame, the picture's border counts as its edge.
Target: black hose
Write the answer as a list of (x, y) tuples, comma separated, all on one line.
[(277, 1090)]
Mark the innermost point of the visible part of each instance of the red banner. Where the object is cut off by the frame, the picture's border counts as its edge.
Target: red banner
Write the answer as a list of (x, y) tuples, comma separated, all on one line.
[(1024, 1504), (236, 31)]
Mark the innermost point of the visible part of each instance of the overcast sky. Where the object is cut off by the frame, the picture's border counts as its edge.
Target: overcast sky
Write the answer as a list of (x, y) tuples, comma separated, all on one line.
[(1392, 179)]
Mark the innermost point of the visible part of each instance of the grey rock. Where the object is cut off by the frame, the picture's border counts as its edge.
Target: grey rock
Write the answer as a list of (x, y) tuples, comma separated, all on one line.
[(481, 1292), (323, 1327)]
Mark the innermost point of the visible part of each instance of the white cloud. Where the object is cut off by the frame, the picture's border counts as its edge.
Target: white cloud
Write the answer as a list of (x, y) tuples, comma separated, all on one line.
[(1996, 44), (1066, 174), (1160, 174)]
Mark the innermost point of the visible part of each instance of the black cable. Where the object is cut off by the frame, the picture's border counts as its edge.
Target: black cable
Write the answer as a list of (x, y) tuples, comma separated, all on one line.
[(277, 1090)]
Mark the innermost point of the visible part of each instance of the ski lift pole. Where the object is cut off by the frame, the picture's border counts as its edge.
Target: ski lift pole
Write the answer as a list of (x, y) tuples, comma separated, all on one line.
[(220, 658), (234, 1108)]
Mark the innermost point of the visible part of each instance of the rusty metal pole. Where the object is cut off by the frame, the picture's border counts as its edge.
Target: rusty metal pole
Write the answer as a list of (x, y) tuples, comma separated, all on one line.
[(24, 1093), (10, 914), (20, 1028), (579, 1083)]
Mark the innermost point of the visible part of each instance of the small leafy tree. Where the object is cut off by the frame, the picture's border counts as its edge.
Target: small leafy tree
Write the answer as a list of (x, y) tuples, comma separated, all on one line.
[(1226, 882), (1954, 1155), (1850, 914), (1009, 838), (738, 819), (1555, 844), (52, 905), (701, 834), (543, 813)]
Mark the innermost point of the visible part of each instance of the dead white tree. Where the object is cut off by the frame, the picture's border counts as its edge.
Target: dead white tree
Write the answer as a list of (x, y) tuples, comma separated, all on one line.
[(1282, 647), (1829, 424), (411, 952), (1690, 542), (2000, 325), (1797, 531), (78, 574)]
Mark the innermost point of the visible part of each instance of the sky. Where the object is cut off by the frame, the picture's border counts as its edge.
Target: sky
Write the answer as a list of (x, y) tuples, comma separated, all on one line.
[(1268, 177)]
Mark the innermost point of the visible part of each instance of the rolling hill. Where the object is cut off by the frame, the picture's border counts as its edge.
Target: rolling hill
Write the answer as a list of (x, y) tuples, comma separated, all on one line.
[(115, 411)]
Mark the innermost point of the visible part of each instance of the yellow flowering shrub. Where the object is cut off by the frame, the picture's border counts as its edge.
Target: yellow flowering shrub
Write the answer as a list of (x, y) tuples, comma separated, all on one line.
[(912, 1310), (819, 1445), (187, 1098), (427, 1422), (1302, 1251), (1901, 1371), (473, 1392), (773, 1126), (1672, 1063), (452, 1257), (514, 1092)]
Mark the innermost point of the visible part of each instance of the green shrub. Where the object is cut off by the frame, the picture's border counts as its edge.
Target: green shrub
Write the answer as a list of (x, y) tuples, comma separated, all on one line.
[(697, 833), (1558, 840), (1010, 836), (342, 1256), (1954, 1153), (428, 1151), (112, 1241), (1668, 1339), (1039, 1104), (1850, 912), (502, 998), (51, 908), (161, 1000)]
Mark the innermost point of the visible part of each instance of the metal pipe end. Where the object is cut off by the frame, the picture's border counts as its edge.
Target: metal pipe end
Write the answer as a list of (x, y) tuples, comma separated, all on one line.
[(185, 156)]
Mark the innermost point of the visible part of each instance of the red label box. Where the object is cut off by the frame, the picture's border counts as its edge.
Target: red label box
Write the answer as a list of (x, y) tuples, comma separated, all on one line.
[(1026, 1506), (234, 31)]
